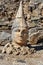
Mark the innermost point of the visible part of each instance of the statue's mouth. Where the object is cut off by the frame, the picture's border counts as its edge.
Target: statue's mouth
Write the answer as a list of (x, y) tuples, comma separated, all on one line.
[(20, 38)]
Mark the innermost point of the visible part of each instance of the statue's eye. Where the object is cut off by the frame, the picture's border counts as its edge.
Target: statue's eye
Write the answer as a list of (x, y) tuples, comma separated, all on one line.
[(17, 30), (24, 31)]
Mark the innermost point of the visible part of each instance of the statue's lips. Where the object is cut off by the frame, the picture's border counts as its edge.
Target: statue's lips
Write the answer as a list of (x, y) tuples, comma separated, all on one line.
[(19, 38)]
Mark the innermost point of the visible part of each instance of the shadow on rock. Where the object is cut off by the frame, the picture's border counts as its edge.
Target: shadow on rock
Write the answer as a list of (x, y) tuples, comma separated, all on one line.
[(36, 47)]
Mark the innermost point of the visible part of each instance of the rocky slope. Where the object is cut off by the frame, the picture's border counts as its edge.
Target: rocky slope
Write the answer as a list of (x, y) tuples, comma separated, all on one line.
[(33, 12)]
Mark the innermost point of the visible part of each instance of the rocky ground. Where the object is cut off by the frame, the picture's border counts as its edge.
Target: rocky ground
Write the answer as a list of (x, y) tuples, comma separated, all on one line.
[(31, 58), (30, 55)]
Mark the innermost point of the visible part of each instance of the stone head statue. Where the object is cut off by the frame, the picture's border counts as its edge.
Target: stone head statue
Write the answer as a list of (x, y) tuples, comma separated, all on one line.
[(19, 28)]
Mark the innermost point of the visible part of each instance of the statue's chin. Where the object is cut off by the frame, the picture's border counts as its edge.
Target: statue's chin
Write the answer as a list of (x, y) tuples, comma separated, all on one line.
[(21, 43)]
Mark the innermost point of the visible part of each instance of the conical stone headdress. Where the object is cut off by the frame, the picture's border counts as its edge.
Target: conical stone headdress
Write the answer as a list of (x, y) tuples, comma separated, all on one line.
[(19, 20)]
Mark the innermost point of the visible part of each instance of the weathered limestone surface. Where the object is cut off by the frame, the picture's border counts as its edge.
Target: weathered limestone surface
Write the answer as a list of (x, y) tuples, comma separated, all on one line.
[(36, 25), (4, 38), (23, 54), (35, 36), (30, 17)]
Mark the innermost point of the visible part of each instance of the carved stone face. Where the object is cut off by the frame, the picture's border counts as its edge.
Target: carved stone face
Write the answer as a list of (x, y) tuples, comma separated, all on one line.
[(19, 28), (20, 35)]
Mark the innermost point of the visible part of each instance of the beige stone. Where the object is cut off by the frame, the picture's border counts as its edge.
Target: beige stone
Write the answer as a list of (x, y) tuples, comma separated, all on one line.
[(36, 13), (7, 48), (41, 6), (26, 8), (35, 37), (20, 28)]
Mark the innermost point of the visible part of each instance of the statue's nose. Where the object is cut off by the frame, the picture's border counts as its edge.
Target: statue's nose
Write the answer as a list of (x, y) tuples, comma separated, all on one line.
[(21, 33)]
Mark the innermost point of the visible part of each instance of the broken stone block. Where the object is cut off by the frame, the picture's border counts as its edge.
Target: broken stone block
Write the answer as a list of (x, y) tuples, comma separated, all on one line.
[(41, 6), (28, 16), (36, 13), (24, 50), (17, 53), (34, 37), (7, 48), (31, 24), (4, 36), (32, 50), (26, 8)]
